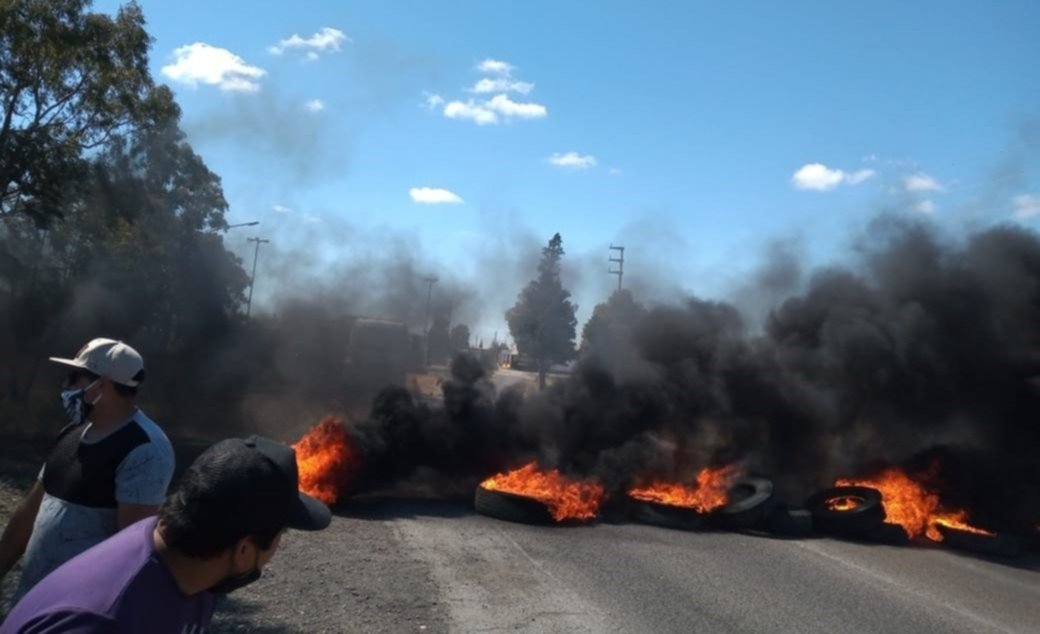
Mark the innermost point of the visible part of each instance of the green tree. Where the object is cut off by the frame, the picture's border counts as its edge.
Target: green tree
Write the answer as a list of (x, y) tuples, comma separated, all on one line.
[(69, 80), (542, 321), (133, 255), (608, 332), (460, 337), (439, 341)]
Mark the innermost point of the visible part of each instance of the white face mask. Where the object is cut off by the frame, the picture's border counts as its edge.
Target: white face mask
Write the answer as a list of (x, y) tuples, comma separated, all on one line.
[(75, 406)]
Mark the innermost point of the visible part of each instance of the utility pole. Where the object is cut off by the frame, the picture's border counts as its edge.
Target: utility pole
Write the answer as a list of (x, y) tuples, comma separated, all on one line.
[(620, 261), (430, 281), (252, 280), (429, 295)]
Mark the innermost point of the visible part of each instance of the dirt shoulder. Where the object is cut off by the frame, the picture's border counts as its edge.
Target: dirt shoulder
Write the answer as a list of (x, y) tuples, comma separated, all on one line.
[(18, 469), (358, 575)]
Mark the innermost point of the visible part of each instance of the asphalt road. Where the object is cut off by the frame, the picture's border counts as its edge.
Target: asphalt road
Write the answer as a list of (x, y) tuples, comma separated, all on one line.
[(497, 576)]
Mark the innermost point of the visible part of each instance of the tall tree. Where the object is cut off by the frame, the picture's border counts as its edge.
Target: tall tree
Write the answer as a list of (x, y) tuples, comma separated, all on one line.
[(460, 337), (69, 80), (608, 332), (439, 341), (542, 321)]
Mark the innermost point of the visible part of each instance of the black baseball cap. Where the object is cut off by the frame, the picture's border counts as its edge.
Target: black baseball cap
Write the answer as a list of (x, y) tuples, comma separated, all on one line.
[(256, 478)]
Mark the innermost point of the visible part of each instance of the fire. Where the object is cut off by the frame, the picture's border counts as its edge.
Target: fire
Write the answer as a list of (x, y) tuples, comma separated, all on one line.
[(326, 460), (911, 505), (566, 498), (956, 520), (844, 503), (707, 494)]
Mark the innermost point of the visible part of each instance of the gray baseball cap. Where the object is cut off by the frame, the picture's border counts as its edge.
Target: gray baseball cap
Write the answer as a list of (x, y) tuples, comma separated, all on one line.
[(109, 358)]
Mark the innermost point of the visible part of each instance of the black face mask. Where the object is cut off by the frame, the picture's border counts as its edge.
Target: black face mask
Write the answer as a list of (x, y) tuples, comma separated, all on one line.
[(233, 582)]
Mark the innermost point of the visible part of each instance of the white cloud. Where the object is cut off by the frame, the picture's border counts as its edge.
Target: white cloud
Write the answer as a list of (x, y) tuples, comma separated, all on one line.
[(496, 67), (859, 176), (615, 172), (1027, 206), (432, 101), (573, 160), (501, 84), (433, 196), (509, 108), (282, 209), (201, 63), (472, 110), (312, 219), (818, 177), (921, 182), (493, 110), (314, 105), (326, 40), (926, 207)]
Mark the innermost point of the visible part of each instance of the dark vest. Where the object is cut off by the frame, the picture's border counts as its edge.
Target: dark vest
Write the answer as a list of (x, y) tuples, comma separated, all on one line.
[(85, 473)]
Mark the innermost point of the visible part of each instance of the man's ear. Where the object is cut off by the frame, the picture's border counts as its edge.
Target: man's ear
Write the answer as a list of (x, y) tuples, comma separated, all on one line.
[(242, 553)]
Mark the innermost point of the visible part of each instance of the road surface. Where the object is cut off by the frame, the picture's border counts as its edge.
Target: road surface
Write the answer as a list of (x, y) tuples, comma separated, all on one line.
[(459, 572)]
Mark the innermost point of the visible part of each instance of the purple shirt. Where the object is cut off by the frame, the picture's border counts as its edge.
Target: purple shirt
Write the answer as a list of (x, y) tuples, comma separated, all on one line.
[(120, 585)]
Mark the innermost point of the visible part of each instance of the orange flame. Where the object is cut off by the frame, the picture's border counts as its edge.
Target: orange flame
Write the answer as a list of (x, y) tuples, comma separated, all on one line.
[(566, 498), (911, 505), (326, 460), (844, 503), (708, 493)]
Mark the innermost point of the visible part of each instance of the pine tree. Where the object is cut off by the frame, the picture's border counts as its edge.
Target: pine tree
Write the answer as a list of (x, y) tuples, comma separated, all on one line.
[(542, 321)]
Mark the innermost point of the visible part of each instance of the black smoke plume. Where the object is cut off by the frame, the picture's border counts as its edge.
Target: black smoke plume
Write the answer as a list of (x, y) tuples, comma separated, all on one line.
[(925, 349)]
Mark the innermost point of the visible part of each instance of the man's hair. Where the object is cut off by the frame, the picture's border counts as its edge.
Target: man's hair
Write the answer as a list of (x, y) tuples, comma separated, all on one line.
[(129, 391), (203, 519)]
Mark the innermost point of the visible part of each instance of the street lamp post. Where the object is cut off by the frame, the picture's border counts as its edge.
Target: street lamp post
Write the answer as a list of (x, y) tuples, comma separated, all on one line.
[(430, 281), (252, 279), (242, 224)]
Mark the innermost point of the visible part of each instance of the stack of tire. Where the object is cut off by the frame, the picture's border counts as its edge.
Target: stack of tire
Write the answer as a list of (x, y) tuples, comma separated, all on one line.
[(865, 520), (511, 507), (751, 506)]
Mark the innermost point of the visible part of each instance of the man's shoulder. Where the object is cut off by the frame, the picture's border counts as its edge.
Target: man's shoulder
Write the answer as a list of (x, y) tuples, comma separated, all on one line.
[(94, 581), (145, 472), (63, 620), (152, 430), (154, 444)]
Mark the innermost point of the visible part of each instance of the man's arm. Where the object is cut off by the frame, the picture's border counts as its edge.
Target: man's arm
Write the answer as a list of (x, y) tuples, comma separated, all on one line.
[(19, 529), (141, 482), (128, 514)]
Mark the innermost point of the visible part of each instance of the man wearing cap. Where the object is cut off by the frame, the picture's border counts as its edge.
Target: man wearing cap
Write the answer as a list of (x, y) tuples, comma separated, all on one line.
[(213, 535), (109, 467)]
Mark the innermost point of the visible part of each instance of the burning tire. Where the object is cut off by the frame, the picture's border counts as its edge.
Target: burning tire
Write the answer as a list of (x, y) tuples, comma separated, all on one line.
[(786, 522), (511, 507), (749, 500), (996, 545), (666, 516), (851, 511), (885, 533)]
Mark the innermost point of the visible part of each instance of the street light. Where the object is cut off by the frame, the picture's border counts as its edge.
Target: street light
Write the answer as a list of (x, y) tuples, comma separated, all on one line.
[(252, 279), (242, 224), (430, 280)]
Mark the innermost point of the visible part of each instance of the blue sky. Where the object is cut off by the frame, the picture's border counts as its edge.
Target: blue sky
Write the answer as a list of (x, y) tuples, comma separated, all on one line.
[(693, 133)]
